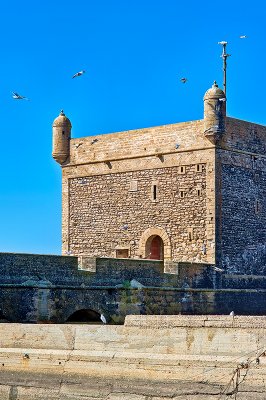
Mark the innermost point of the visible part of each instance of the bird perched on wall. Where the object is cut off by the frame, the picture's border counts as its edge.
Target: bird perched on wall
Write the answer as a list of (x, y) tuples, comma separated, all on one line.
[(232, 314), (103, 319), (78, 74), (94, 141), (17, 96), (183, 80)]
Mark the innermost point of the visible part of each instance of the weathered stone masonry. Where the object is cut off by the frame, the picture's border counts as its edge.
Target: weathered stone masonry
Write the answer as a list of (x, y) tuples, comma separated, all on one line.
[(105, 214), (41, 288), (241, 170), (122, 195)]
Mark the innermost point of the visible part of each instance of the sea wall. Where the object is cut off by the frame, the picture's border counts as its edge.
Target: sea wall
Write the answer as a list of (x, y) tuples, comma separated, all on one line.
[(42, 288), (148, 358)]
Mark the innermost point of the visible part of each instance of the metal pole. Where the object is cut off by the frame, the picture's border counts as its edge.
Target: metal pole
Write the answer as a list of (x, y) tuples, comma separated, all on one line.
[(224, 57), (224, 66)]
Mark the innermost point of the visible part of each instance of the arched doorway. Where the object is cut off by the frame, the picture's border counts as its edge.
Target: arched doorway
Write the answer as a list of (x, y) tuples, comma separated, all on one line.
[(146, 239), (84, 316), (154, 248)]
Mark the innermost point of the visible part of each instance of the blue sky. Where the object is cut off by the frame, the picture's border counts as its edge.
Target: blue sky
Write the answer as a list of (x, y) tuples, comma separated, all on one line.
[(134, 53)]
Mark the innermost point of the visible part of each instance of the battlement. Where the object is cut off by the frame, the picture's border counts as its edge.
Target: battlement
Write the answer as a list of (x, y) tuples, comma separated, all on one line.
[(138, 143)]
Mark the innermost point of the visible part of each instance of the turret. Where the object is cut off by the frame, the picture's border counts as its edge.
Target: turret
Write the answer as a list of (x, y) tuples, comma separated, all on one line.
[(61, 138), (214, 113)]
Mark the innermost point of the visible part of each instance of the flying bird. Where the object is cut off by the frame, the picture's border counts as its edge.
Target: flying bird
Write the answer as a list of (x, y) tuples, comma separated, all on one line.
[(17, 96), (103, 319), (243, 36), (78, 74), (183, 80)]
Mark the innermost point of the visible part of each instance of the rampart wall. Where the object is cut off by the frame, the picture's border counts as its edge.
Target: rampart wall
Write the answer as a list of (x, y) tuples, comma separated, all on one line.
[(39, 288)]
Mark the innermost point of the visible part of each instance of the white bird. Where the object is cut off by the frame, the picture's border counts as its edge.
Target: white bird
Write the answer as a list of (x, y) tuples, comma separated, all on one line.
[(243, 36), (232, 314), (222, 42), (17, 96), (103, 319), (183, 80), (223, 99), (78, 74)]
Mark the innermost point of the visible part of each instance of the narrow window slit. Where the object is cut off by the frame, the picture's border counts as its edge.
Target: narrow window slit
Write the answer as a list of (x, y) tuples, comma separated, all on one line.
[(154, 192)]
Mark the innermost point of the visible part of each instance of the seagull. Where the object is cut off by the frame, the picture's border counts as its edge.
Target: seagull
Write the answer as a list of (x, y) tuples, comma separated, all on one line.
[(243, 36), (103, 319), (17, 96), (78, 74), (94, 141), (222, 42), (183, 80), (232, 314)]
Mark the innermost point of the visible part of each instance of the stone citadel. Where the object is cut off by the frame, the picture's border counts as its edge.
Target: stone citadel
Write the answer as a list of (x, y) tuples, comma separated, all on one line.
[(192, 192), (159, 222), (164, 220)]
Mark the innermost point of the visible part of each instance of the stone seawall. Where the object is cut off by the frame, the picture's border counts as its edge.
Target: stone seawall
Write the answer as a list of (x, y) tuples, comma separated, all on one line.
[(43, 289), (148, 358)]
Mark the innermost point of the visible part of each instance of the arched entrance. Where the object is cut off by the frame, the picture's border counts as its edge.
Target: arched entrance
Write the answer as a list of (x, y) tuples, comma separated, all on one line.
[(84, 316), (155, 243), (154, 248)]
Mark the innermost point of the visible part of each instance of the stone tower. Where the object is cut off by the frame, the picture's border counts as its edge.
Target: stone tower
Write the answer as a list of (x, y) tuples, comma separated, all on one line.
[(61, 138), (214, 113), (186, 192)]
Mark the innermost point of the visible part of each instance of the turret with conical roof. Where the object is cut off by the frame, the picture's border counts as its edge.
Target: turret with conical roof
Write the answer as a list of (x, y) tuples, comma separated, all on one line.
[(61, 137), (214, 113)]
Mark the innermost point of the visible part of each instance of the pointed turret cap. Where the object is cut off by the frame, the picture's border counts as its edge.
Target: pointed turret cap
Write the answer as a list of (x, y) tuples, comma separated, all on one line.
[(214, 92), (62, 120)]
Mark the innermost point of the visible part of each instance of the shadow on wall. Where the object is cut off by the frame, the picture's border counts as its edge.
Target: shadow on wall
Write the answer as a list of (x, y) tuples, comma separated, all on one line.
[(85, 317), (3, 317)]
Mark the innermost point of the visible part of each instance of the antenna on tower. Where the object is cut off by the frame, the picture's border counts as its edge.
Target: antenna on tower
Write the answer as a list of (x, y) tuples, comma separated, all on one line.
[(224, 57)]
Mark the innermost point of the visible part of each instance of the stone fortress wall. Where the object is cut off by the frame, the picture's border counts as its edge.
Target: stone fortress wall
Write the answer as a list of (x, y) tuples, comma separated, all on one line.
[(51, 289), (149, 358), (241, 199), (108, 213), (108, 183)]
